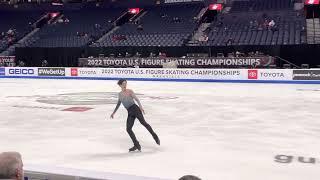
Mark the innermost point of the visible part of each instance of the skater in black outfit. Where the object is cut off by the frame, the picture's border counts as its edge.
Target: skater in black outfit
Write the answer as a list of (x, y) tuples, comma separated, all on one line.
[(127, 97)]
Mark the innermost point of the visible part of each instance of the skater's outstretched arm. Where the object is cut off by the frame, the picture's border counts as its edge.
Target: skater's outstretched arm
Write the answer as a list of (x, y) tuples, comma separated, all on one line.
[(117, 107), (136, 99)]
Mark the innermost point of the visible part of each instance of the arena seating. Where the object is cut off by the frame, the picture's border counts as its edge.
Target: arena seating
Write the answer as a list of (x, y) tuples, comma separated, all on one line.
[(84, 26), (249, 29), (159, 27), (261, 5), (163, 26), (19, 22), (96, 30)]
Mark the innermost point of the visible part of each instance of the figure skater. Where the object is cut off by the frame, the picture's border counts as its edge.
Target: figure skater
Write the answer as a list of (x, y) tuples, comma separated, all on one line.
[(127, 97)]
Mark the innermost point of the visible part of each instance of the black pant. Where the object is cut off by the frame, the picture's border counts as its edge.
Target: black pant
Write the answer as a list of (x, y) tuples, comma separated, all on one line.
[(133, 113)]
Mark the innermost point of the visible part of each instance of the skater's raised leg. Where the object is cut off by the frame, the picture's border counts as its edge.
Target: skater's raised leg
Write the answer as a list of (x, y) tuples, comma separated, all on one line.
[(148, 127)]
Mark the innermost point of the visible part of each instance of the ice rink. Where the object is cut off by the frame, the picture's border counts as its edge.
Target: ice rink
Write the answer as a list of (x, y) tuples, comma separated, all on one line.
[(217, 131)]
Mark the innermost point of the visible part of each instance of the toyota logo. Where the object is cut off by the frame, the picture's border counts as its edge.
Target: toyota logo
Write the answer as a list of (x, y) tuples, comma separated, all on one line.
[(252, 74)]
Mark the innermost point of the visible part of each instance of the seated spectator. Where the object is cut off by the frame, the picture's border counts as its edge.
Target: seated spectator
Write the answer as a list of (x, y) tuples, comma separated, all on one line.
[(254, 65), (60, 20), (21, 64), (2, 35), (10, 32), (162, 54), (251, 54), (164, 15), (251, 24), (203, 38), (189, 177), (258, 53), (66, 21), (137, 54), (10, 41), (231, 55), (238, 54), (230, 42), (152, 54), (272, 24), (266, 24), (176, 20), (119, 38), (298, 14), (44, 63), (140, 27), (128, 54), (11, 166), (97, 26), (114, 38)]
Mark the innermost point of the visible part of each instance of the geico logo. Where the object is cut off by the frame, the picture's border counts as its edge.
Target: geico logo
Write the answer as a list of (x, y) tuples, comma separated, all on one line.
[(21, 71)]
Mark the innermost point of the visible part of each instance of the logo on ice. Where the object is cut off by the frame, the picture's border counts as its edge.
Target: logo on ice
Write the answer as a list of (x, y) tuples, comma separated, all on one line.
[(252, 74), (51, 72)]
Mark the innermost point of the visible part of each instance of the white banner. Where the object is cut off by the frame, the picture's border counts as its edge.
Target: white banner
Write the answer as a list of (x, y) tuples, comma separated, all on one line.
[(269, 74), (212, 74), (154, 73), (21, 71)]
